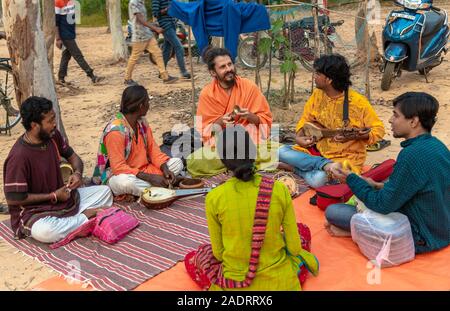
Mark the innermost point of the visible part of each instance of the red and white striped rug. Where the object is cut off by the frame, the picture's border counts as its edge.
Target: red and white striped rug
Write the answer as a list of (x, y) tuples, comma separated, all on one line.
[(162, 238)]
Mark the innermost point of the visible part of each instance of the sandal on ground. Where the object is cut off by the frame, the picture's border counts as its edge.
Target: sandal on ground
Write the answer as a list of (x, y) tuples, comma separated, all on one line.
[(63, 82), (4, 209), (378, 145), (97, 79)]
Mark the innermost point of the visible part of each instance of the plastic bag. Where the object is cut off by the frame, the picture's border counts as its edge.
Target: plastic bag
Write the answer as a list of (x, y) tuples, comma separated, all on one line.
[(384, 239)]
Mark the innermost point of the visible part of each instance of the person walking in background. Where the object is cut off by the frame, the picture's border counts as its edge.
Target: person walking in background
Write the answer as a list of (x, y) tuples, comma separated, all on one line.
[(65, 40), (171, 41), (142, 39)]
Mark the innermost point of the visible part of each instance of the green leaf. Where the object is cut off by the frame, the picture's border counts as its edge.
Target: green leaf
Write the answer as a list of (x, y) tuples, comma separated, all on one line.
[(280, 39), (277, 25), (288, 66), (265, 44)]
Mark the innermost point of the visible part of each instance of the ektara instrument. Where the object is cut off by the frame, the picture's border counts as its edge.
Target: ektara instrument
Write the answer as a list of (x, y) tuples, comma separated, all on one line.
[(317, 131), (159, 198)]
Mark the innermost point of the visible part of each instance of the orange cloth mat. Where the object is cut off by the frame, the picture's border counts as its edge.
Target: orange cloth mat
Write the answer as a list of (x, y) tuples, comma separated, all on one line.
[(342, 266)]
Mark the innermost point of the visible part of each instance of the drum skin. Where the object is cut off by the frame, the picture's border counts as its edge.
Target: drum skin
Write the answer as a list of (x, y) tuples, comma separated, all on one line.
[(157, 197)]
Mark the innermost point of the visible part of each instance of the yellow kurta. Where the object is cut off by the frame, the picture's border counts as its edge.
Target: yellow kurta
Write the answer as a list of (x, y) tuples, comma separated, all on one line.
[(329, 112), (230, 211)]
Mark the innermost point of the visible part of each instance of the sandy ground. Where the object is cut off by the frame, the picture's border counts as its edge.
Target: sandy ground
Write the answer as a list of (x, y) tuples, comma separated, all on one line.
[(86, 109)]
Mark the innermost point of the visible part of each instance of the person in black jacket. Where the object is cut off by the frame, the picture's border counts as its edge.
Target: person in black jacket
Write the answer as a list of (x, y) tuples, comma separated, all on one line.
[(65, 40)]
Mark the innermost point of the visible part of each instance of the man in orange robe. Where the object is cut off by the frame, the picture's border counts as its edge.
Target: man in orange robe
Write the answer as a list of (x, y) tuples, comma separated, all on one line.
[(216, 107)]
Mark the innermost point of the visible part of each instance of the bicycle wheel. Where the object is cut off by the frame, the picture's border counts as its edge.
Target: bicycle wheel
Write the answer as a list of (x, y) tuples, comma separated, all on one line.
[(247, 53), (9, 109), (305, 51)]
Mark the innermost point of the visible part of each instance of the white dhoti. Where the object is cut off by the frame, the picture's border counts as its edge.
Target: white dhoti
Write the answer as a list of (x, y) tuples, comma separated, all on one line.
[(130, 184), (51, 229)]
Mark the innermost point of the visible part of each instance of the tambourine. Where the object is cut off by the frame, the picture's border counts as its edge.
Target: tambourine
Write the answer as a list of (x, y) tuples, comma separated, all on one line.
[(289, 181)]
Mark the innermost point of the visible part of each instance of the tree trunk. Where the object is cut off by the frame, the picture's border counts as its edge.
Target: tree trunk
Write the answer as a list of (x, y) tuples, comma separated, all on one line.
[(120, 51), (48, 20), (315, 15), (108, 30), (28, 52), (361, 29), (1, 14), (364, 41)]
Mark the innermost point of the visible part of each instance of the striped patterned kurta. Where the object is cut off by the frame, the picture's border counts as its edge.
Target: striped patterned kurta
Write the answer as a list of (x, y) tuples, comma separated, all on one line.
[(230, 211)]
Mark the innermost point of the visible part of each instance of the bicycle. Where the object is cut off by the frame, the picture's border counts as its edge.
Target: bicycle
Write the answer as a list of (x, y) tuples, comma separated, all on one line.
[(300, 37), (9, 109)]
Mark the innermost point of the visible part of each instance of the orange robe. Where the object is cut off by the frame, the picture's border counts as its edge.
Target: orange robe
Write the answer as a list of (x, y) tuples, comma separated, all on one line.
[(141, 159), (214, 102)]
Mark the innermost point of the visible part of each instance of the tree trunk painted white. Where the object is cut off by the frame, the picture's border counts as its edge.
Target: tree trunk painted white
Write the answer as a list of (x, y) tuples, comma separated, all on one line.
[(365, 42), (25, 39), (108, 30), (120, 51), (1, 13), (49, 27)]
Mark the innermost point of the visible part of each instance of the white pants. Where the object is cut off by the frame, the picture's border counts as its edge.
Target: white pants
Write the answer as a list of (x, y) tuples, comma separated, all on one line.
[(130, 184), (52, 229)]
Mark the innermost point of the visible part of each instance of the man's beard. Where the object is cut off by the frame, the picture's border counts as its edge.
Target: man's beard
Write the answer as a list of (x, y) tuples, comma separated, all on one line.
[(44, 136), (231, 82)]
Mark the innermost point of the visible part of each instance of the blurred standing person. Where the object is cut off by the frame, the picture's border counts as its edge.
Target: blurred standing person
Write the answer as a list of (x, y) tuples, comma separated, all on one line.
[(142, 39), (171, 41), (65, 37)]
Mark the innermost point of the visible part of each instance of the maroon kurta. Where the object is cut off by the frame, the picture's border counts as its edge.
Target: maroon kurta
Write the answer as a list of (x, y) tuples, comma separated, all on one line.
[(35, 169)]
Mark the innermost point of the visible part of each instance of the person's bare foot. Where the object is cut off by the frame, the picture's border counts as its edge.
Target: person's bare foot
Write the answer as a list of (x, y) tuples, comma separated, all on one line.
[(125, 198), (92, 212), (336, 231), (285, 167)]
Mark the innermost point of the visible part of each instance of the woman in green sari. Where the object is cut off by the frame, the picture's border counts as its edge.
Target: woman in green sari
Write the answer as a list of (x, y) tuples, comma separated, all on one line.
[(230, 212)]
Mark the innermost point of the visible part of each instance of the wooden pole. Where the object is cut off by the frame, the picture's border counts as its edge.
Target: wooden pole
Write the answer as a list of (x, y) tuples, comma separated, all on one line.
[(368, 48), (258, 62), (194, 106), (257, 77), (316, 37)]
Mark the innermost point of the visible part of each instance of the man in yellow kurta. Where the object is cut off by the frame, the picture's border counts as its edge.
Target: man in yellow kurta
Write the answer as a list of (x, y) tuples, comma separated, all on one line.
[(325, 106), (216, 111)]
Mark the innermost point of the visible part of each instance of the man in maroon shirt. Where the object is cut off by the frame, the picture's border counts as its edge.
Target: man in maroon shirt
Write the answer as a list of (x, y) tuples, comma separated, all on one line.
[(40, 204)]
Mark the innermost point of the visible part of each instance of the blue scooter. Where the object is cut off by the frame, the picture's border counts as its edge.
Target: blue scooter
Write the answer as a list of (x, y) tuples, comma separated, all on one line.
[(413, 39)]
